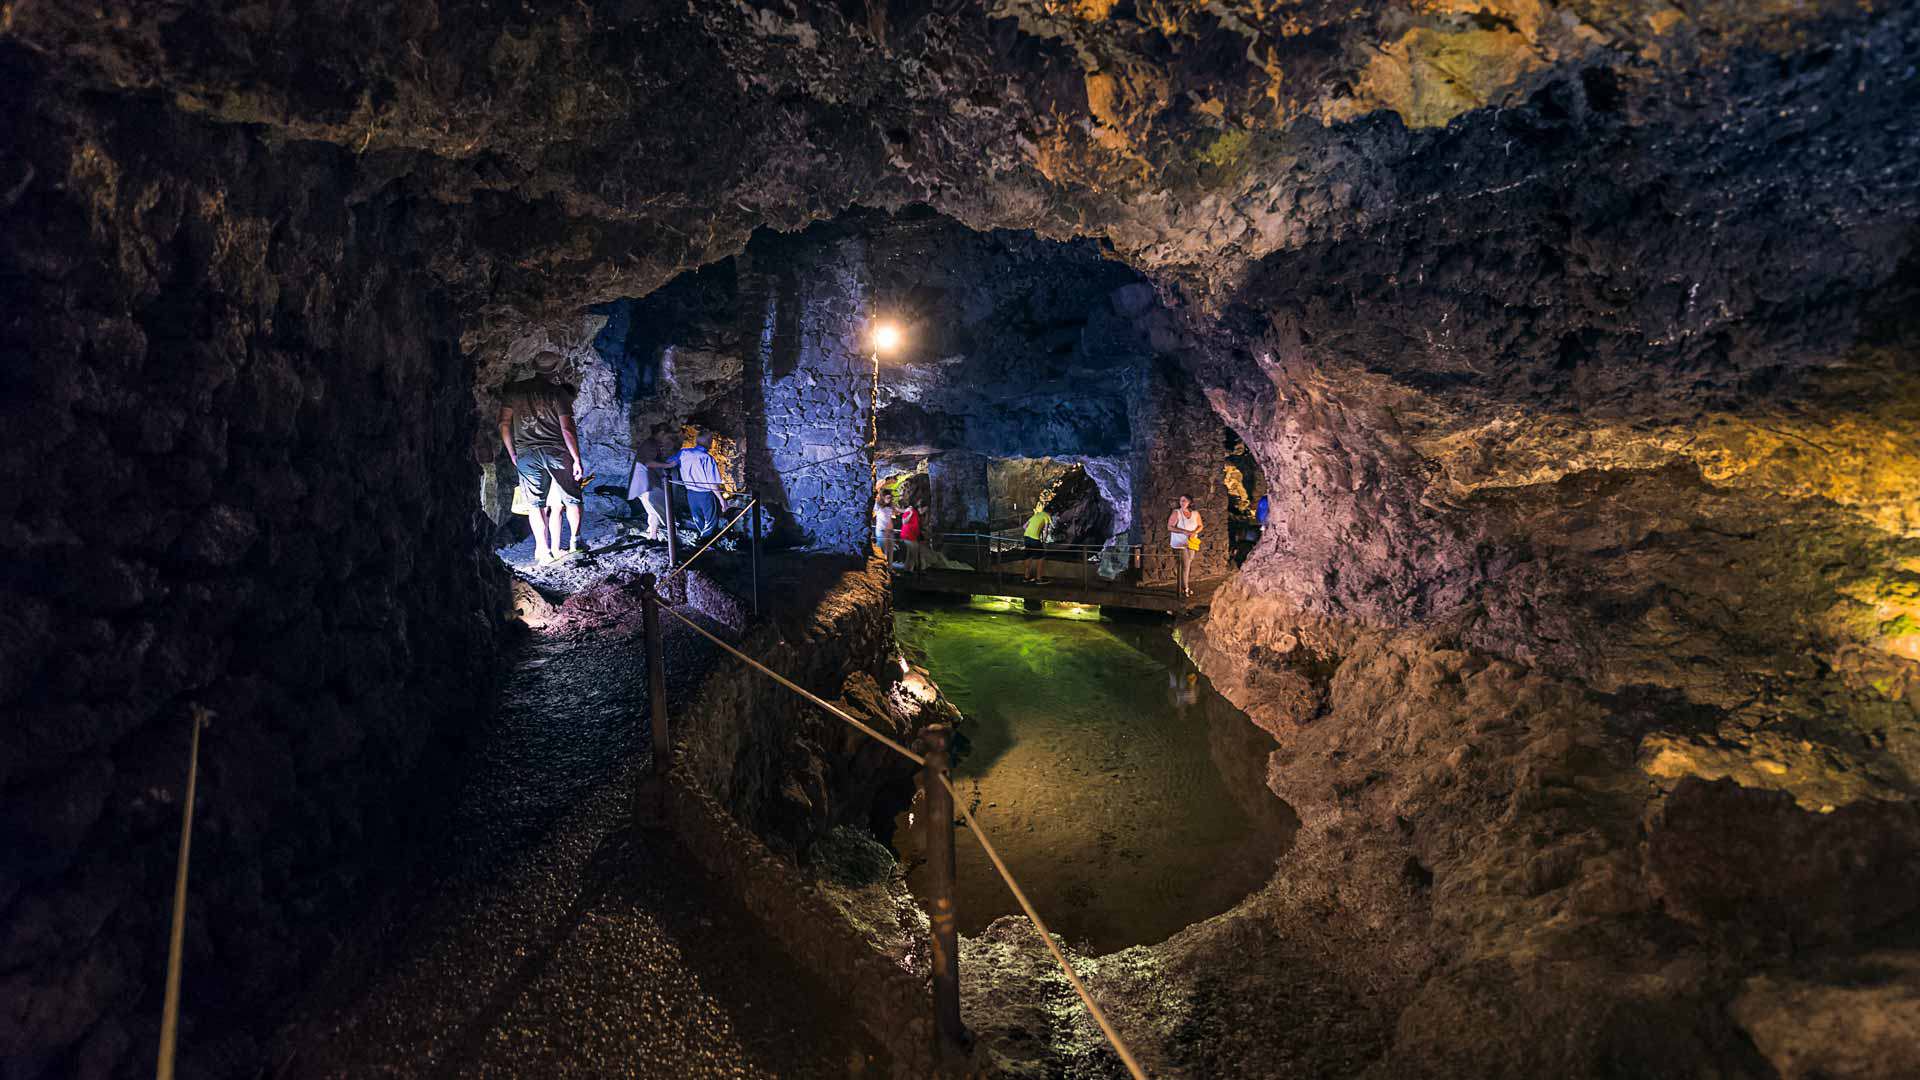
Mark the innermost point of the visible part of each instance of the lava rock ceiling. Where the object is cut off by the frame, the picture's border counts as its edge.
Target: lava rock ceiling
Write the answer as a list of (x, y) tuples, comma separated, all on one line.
[(1576, 342)]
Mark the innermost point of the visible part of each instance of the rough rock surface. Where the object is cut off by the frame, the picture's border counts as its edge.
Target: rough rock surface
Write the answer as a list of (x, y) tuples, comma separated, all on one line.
[(1568, 338), (238, 474)]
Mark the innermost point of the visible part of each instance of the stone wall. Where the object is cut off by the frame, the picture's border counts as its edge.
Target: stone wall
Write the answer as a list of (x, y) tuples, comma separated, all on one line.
[(1179, 448), (237, 473), (1090, 498), (774, 761), (960, 491), (814, 374)]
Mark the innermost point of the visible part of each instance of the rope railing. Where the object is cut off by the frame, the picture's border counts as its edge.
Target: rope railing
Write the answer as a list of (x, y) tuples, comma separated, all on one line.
[(816, 699), (177, 932), (711, 540), (1019, 894), (944, 959)]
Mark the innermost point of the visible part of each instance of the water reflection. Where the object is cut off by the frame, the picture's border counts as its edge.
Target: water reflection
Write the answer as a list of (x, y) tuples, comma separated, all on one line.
[(1127, 796)]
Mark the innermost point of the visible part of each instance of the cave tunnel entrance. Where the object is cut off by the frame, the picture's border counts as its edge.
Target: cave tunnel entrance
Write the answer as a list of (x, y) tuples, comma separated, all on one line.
[(1027, 370)]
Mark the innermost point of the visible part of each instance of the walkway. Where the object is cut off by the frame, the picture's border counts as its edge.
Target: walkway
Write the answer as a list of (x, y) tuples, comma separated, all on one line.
[(540, 934), (1063, 589)]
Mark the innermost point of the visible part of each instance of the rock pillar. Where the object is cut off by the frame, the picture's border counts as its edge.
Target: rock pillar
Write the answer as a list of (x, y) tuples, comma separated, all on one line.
[(814, 379), (1179, 448)]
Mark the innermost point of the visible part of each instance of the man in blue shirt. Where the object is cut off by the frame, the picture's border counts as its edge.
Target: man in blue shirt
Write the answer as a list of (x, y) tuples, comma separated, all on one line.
[(700, 475)]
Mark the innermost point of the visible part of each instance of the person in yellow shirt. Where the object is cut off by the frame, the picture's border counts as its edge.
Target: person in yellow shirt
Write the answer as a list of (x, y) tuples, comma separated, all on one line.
[(1036, 536)]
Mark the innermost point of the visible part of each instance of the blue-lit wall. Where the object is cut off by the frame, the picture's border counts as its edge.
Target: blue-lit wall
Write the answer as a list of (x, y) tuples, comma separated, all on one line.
[(808, 434)]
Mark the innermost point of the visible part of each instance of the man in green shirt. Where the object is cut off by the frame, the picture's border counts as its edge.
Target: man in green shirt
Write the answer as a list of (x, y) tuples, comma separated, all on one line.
[(1037, 528)]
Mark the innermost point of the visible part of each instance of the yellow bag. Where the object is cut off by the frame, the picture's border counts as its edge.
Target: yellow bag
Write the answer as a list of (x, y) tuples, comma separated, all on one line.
[(1193, 541), (521, 504)]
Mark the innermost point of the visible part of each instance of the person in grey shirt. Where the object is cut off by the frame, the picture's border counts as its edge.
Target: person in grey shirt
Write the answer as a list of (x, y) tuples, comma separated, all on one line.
[(536, 423)]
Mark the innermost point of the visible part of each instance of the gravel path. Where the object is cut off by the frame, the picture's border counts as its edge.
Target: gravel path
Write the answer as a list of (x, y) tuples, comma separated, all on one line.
[(543, 935)]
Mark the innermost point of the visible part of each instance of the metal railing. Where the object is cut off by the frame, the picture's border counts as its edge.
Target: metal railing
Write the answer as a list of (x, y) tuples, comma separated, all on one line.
[(936, 787), (1000, 553)]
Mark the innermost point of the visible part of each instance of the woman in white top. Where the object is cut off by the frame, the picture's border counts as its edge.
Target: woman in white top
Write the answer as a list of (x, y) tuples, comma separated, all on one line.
[(883, 525), (1183, 527)]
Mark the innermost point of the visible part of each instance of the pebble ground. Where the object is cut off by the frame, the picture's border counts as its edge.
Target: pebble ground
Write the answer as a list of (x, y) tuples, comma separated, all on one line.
[(543, 934)]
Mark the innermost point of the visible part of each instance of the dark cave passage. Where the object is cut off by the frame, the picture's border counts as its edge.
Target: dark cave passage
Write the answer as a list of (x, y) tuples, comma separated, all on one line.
[(1569, 348)]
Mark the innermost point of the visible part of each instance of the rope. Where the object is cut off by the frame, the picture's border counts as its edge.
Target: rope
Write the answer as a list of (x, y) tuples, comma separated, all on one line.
[(795, 687), (717, 534), (170, 1009), (1073, 977), (1106, 1026)]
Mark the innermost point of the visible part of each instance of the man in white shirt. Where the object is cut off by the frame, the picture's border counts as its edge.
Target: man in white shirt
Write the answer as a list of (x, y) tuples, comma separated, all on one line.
[(700, 474)]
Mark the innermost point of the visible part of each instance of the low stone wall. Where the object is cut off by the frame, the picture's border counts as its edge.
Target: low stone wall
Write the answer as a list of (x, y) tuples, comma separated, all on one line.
[(760, 774), (871, 943), (776, 763)]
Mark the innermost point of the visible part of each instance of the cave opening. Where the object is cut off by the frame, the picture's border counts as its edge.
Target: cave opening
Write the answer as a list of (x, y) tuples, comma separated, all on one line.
[(1026, 374)]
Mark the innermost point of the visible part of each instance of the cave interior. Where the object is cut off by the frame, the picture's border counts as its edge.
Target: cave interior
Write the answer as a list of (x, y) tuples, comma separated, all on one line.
[(1571, 345)]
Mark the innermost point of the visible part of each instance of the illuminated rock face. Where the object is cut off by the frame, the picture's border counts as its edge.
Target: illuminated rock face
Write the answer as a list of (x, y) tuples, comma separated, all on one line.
[(1573, 342)]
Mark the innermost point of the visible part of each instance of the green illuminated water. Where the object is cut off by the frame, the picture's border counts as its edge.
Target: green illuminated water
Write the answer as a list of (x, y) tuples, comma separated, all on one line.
[(1127, 796)]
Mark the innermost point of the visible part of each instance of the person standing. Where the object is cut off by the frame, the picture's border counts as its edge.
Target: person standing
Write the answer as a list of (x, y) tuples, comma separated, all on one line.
[(700, 475), (1183, 528), (1260, 514), (883, 525), (1036, 543), (536, 424), (910, 536), (650, 487)]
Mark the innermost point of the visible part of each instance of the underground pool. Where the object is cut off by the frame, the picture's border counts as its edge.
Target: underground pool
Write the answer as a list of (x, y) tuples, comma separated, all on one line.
[(1127, 796)]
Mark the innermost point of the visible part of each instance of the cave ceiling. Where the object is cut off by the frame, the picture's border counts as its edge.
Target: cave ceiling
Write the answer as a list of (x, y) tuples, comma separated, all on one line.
[(1473, 211)]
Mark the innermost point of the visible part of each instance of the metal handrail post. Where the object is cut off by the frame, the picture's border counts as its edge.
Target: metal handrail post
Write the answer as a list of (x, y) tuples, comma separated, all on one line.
[(950, 1034), (656, 678), (673, 532)]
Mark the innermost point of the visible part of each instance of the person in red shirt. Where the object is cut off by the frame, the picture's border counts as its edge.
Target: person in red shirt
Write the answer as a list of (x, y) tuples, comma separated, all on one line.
[(910, 536)]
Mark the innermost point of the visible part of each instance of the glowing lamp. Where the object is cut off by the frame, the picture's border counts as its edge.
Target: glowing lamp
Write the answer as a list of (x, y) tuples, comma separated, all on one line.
[(886, 336)]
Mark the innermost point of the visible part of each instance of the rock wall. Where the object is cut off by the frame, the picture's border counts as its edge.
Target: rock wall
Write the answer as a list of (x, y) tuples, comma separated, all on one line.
[(1179, 449), (775, 762), (1090, 498), (960, 482), (1547, 574), (814, 370), (238, 473)]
